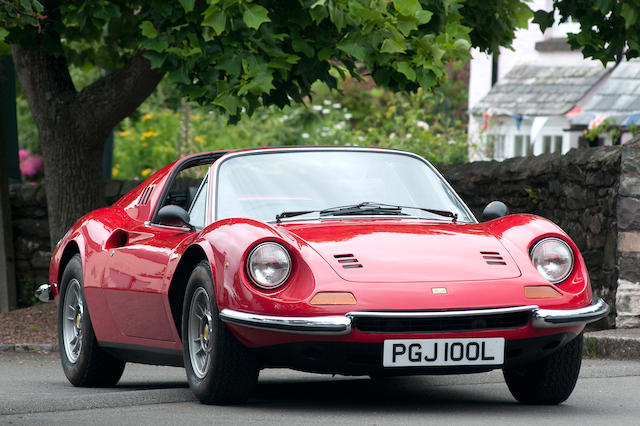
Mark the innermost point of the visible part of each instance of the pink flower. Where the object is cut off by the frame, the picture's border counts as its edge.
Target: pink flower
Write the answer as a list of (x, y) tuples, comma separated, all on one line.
[(30, 165), (23, 154)]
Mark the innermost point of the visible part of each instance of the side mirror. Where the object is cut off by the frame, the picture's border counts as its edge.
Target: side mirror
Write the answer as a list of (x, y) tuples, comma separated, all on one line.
[(174, 216), (494, 210)]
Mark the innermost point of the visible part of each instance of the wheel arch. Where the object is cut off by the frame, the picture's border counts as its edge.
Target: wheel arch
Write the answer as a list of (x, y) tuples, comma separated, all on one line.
[(189, 260), (71, 249)]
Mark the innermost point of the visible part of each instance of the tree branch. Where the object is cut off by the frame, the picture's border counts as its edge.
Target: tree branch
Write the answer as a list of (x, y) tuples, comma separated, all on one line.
[(117, 95)]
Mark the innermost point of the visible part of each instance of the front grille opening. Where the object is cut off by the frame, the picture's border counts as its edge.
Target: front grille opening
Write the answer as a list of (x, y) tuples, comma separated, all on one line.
[(498, 321)]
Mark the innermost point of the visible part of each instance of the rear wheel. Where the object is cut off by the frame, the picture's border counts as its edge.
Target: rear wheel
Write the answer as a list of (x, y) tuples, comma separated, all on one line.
[(550, 380), (220, 370), (83, 361)]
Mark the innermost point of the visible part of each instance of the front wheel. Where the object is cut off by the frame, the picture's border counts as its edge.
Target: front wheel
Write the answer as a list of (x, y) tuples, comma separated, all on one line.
[(550, 380), (83, 361), (220, 370)]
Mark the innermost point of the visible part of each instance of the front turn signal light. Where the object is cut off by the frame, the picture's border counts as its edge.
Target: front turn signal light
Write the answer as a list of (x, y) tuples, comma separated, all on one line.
[(541, 292), (333, 298)]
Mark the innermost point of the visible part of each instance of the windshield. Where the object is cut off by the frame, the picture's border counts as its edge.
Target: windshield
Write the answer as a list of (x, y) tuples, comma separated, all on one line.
[(263, 185)]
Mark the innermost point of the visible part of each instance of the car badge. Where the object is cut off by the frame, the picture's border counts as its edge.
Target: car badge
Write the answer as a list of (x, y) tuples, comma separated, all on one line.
[(439, 290)]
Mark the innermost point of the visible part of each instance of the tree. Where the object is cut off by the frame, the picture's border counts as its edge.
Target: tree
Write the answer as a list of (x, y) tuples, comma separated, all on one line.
[(232, 55), (609, 29)]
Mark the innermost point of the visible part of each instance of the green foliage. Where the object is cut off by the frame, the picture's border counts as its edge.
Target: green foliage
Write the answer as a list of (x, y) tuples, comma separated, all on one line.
[(26, 288), (433, 126), (609, 29), (607, 126), (493, 21), (234, 55)]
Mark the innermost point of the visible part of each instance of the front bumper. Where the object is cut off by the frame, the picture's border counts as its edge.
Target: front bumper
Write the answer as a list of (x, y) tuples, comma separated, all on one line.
[(336, 325)]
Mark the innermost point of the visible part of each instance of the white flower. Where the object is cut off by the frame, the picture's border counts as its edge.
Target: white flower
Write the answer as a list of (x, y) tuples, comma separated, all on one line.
[(408, 135), (327, 102), (392, 136), (451, 142), (361, 138), (423, 125), (325, 111), (337, 106), (348, 116), (323, 134), (317, 107), (305, 136)]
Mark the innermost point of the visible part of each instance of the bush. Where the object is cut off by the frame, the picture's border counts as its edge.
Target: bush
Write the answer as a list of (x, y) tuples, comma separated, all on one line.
[(431, 125)]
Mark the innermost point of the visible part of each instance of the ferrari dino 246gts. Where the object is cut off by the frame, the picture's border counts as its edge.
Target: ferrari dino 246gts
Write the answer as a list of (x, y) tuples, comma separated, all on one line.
[(353, 261)]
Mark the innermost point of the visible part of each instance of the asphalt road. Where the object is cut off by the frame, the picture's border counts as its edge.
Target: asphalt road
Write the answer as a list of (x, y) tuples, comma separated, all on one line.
[(33, 390)]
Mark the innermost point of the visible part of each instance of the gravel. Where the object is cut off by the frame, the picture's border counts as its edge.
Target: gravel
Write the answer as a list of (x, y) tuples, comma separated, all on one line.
[(35, 325)]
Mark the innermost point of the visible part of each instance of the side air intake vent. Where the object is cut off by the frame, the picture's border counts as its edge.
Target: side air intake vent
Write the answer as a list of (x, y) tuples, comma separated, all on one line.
[(348, 261), (145, 196), (493, 258)]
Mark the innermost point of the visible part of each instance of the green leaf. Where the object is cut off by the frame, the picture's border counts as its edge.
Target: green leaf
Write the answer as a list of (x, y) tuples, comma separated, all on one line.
[(228, 102), (462, 44), (187, 4), (156, 59), (318, 12), (630, 15), (148, 30), (255, 15), (405, 68), (156, 45), (354, 49), (392, 46), (424, 16), (543, 18), (407, 7), (3, 33), (216, 19)]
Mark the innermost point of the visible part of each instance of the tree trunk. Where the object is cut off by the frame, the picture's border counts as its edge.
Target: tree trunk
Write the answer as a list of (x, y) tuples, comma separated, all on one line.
[(73, 126)]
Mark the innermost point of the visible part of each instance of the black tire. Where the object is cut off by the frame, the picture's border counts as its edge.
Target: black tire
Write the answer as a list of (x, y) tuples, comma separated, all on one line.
[(231, 372), (83, 362), (549, 381)]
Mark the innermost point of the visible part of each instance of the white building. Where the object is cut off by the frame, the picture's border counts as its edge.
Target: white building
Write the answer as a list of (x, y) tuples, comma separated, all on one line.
[(542, 99)]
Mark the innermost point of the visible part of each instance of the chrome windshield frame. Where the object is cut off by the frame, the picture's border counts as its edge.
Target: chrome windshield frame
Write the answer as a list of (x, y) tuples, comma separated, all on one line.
[(215, 169)]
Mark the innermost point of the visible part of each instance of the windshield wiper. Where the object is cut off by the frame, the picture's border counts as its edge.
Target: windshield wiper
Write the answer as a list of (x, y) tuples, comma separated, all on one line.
[(367, 206)]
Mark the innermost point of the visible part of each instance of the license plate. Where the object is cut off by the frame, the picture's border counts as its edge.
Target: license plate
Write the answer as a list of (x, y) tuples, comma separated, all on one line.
[(441, 352)]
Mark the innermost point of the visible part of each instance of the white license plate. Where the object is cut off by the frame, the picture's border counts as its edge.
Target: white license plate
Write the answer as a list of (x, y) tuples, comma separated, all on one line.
[(439, 352)]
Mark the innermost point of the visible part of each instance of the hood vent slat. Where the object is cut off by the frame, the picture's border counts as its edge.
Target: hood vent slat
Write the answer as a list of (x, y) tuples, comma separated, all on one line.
[(493, 258), (348, 261)]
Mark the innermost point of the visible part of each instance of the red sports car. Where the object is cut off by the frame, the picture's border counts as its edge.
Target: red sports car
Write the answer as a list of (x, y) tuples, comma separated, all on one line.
[(342, 260)]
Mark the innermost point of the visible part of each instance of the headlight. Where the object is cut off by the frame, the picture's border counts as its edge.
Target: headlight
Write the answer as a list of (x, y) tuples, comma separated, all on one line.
[(553, 258), (269, 265)]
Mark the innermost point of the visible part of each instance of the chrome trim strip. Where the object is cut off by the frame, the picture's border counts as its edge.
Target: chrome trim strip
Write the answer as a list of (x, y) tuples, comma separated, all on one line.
[(320, 325), (44, 293), (548, 318), (334, 325), (149, 223), (440, 314)]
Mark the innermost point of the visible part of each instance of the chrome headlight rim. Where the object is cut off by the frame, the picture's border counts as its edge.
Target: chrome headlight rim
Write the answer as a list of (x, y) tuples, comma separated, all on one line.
[(254, 280), (542, 241)]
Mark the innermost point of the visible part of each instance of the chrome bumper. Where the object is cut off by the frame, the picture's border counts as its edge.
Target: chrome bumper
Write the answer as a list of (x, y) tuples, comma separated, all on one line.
[(44, 293), (548, 318), (335, 325)]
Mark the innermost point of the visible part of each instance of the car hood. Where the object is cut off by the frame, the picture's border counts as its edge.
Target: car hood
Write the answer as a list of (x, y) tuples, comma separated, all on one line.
[(407, 251)]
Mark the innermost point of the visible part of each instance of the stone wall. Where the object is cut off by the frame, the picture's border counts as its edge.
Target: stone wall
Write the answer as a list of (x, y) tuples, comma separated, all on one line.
[(578, 191), (32, 250), (628, 205)]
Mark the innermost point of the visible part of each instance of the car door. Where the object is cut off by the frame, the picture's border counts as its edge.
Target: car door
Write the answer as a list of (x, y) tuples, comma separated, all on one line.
[(136, 282)]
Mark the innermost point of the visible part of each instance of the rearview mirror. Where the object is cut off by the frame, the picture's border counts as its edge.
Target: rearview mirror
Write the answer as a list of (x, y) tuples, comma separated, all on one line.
[(173, 215), (494, 210)]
